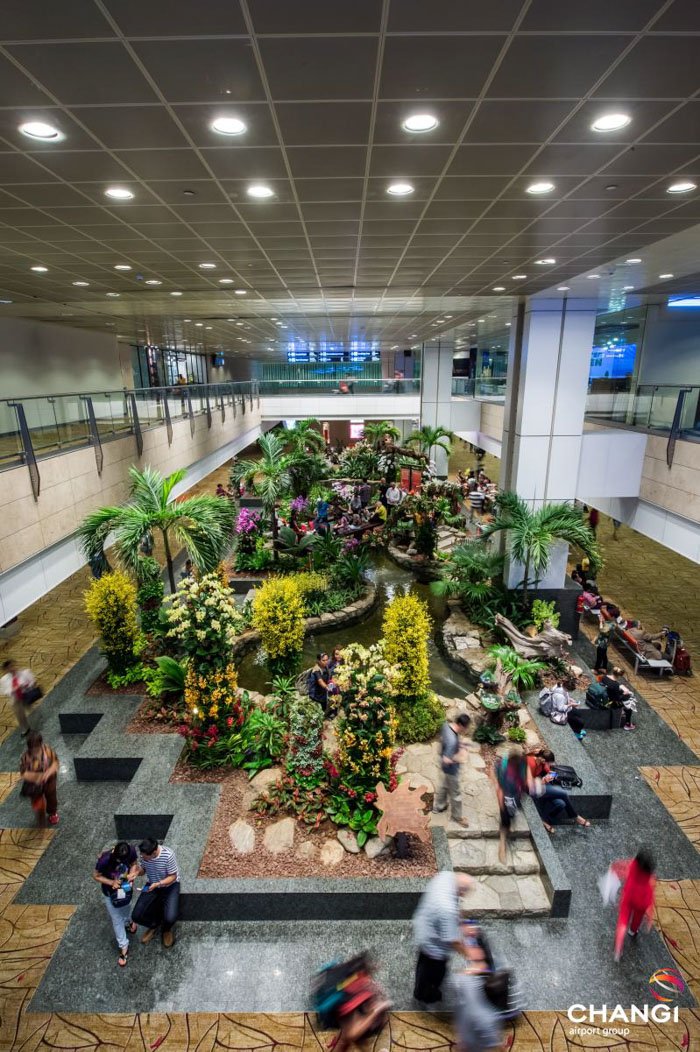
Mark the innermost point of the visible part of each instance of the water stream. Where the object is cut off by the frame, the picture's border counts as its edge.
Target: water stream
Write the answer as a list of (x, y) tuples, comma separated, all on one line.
[(390, 580)]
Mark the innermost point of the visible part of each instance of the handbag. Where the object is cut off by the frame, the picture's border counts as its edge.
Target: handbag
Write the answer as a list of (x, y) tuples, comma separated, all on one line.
[(33, 790), (121, 896), (31, 694)]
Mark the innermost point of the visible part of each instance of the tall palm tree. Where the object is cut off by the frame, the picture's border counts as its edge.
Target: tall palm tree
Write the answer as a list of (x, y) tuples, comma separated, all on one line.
[(269, 477), (304, 437), (531, 534), (379, 432), (428, 438), (202, 525)]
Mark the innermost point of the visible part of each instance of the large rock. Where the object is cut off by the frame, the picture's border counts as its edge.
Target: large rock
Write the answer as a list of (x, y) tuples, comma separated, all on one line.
[(375, 846), (419, 781), (265, 778), (332, 853), (242, 837), (279, 837), (349, 841), (306, 850)]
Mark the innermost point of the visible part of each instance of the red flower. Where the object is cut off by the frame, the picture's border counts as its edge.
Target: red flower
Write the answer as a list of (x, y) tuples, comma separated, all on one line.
[(370, 798), (213, 731), (229, 721), (352, 794)]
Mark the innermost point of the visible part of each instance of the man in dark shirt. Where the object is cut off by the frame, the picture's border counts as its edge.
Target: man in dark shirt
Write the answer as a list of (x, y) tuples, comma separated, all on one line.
[(319, 681), (451, 754)]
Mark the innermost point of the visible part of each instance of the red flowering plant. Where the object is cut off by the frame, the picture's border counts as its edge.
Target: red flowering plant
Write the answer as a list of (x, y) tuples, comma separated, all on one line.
[(215, 716)]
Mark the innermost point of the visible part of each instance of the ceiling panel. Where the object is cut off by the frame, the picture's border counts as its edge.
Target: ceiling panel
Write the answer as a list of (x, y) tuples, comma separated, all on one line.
[(554, 67)]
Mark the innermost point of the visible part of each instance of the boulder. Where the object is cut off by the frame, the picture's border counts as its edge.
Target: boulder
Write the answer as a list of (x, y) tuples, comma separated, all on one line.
[(375, 846), (266, 778), (279, 837), (306, 850), (242, 837), (349, 841), (332, 853)]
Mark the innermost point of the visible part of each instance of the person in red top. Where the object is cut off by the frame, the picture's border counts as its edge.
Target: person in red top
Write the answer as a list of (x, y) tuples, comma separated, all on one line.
[(637, 900), (593, 520)]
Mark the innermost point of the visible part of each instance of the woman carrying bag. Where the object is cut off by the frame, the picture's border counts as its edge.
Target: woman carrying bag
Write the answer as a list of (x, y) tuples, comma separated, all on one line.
[(113, 872), (39, 767)]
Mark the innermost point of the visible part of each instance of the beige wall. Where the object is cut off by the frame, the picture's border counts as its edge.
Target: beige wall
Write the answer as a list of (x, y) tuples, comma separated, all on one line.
[(37, 358), (492, 420), (677, 488), (71, 487)]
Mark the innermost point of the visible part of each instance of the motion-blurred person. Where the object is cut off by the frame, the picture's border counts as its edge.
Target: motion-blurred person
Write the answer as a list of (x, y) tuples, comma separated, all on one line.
[(637, 900), (20, 686), (38, 766), (513, 778), (436, 932), (452, 753), (347, 997)]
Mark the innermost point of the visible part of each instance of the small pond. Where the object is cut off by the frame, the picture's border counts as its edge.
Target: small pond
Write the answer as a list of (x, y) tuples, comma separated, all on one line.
[(390, 580)]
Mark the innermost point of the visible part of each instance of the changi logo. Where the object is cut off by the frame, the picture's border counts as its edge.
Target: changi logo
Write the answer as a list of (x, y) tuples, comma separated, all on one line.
[(666, 981)]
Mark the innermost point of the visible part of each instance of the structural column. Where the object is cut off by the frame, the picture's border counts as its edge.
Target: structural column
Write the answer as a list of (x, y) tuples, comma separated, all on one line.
[(548, 367), (436, 392)]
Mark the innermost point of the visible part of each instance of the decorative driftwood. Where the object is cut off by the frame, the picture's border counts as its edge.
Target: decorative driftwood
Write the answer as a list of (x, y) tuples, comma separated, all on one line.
[(402, 812), (549, 643)]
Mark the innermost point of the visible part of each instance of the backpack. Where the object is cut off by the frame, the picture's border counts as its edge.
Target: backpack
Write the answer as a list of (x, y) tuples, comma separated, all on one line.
[(566, 777), (597, 696), (546, 702), (311, 681), (333, 985)]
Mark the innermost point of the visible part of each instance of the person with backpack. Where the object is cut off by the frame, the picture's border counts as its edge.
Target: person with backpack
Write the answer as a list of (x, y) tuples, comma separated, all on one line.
[(39, 769), (20, 686), (451, 753), (512, 777), (557, 705), (621, 697), (347, 997), (553, 802), (114, 871), (601, 643), (319, 681)]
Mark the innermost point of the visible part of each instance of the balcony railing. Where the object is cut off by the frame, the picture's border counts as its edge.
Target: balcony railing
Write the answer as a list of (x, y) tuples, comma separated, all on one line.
[(492, 388), (664, 408), (45, 425), (352, 386)]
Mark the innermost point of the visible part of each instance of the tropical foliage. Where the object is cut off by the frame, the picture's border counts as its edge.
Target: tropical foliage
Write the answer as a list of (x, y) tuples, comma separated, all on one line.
[(304, 761), (542, 611), (110, 603), (203, 620), (379, 432), (428, 438), (203, 526), (149, 595), (406, 630), (268, 477), (278, 615), (360, 461)]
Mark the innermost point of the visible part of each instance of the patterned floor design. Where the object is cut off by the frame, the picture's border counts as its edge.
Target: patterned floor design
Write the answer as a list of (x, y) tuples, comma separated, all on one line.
[(29, 934)]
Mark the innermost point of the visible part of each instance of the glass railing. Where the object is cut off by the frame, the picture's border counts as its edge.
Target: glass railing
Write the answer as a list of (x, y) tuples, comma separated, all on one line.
[(354, 386), (649, 407), (488, 388), (45, 425)]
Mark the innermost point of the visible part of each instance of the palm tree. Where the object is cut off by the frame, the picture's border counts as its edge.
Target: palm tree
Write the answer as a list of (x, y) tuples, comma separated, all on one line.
[(378, 433), (303, 438), (202, 525), (531, 534), (269, 477), (428, 438)]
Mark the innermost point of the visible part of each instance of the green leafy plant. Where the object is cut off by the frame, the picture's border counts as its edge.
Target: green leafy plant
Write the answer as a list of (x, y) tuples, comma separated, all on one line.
[(512, 668), (168, 677), (268, 477), (304, 762), (349, 571), (429, 438), (202, 525), (326, 551), (542, 611), (379, 432), (420, 721), (487, 734), (135, 674), (516, 734), (110, 603), (263, 735), (361, 820), (299, 546), (149, 594)]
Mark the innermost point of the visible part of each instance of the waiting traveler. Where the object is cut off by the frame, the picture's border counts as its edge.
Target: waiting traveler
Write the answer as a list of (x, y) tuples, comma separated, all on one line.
[(38, 766), (114, 871), (452, 754), (563, 706), (602, 642), (319, 681), (553, 802), (436, 932), (621, 697), (159, 902)]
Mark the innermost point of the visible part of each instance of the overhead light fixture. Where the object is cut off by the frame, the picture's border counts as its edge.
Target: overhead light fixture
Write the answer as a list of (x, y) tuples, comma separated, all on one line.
[(611, 186), (40, 130), (543, 187), (226, 281), (118, 193), (81, 284), (507, 325), (40, 270), (187, 319), (399, 189), (548, 261), (153, 281), (677, 301), (199, 324), (260, 190), (208, 328), (412, 335), (683, 186), (420, 122), (519, 277), (228, 126), (592, 277), (122, 266), (608, 122), (112, 295), (635, 259), (499, 288), (665, 277), (240, 292), (207, 266), (562, 288), (627, 288), (175, 293)]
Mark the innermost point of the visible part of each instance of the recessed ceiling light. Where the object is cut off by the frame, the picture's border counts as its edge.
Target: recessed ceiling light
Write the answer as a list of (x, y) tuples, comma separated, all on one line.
[(499, 288), (562, 288), (81, 284), (40, 130), (40, 270), (239, 324), (592, 277), (175, 293), (507, 325), (546, 262), (608, 122), (118, 193), (226, 281), (683, 186), (153, 281), (6, 301), (420, 122), (187, 319), (199, 324), (627, 288), (112, 295), (260, 190), (481, 319), (611, 186), (540, 188), (634, 259), (399, 189), (240, 292), (228, 126), (519, 277), (122, 266), (208, 328), (412, 336), (664, 277), (448, 315), (207, 266), (190, 193)]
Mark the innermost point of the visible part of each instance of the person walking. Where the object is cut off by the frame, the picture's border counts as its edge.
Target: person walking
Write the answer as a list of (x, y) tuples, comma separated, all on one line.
[(20, 686), (114, 872), (513, 778), (452, 753), (593, 520), (38, 766), (637, 899), (436, 932), (159, 902)]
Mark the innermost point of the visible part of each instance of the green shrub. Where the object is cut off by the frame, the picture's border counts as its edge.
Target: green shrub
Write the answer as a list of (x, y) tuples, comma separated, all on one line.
[(149, 595), (135, 674), (111, 606), (516, 734), (305, 755), (168, 677), (419, 718), (542, 611), (487, 734)]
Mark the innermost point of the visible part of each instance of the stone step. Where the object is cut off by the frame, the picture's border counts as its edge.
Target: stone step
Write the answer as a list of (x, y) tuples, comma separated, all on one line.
[(506, 896), (484, 824), (480, 857)]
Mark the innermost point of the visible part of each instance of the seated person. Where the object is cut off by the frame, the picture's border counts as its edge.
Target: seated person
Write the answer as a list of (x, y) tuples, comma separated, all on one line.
[(621, 697), (553, 802), (336, 659), (577, 575), (647, 644), (221, 491), (378, 517), (562, 711)]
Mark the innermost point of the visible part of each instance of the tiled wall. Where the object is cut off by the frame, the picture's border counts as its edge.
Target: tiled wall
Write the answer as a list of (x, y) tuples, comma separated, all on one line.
[(492, 419), (676, 488), (71, 487)]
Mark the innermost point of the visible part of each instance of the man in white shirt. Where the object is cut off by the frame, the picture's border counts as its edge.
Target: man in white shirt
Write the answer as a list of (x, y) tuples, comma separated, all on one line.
[(13, 684), (394, 495)]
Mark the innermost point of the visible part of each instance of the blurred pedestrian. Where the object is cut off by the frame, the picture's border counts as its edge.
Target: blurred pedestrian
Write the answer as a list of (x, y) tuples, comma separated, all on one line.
[(513, 778), (452, 753), (20, 686), (637, 899), (436, 932), (38, 766)]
